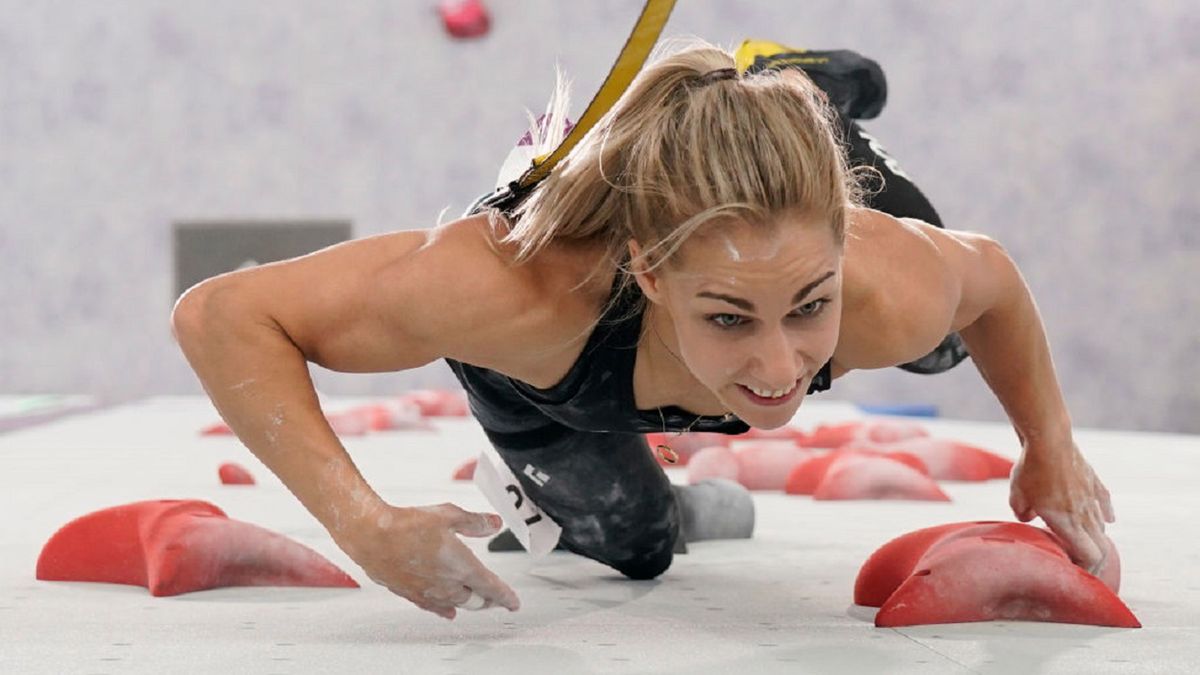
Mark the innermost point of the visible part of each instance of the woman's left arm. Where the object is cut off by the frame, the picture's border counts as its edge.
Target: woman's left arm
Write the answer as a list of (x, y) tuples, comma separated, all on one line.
[(999, 322)]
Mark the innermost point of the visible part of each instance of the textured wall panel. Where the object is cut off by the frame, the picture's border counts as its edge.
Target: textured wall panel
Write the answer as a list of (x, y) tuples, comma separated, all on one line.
[(1066, 130)]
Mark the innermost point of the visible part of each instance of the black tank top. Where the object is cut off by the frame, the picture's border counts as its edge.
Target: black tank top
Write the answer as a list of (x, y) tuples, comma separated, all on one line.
[(595, 395)]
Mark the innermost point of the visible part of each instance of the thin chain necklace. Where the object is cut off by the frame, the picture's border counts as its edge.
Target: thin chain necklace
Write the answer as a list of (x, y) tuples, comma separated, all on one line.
[(665, 452)]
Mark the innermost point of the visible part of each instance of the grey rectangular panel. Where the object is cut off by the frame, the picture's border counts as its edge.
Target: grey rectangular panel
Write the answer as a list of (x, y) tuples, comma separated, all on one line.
[(205, 249)]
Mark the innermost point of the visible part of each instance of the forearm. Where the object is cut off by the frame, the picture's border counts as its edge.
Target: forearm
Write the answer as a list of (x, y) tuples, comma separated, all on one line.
[(1008, 344), (259, 382)]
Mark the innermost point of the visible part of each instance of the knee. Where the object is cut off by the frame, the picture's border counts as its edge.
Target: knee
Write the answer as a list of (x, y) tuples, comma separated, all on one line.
[(642, 555), (645, 567)]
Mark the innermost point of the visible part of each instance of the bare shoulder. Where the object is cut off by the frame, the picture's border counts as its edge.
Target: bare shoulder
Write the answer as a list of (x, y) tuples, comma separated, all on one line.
[(903, 287), (401, 300), (482, 308)]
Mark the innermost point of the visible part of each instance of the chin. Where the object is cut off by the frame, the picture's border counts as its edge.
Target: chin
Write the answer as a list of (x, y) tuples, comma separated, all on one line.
[(768, 425), (765, 416)]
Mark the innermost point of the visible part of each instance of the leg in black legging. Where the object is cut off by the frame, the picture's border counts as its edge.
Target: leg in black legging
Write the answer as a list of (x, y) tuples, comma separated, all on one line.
[(613, 501), (897, 195)]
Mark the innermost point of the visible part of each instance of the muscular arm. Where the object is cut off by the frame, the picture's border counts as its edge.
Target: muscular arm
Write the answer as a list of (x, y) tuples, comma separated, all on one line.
[(379, 304), (909, 284), (920, 282), (1000, 324)]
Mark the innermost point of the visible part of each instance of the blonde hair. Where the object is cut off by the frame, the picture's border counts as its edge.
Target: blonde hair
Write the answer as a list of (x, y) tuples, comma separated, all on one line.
[(680, 150)]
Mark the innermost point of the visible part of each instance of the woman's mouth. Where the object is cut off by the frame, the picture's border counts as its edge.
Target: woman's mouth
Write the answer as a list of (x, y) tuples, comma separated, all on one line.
[(769, 398)]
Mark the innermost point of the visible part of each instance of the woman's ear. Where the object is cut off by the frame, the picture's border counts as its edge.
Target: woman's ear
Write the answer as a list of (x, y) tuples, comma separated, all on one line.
[(649, 281)]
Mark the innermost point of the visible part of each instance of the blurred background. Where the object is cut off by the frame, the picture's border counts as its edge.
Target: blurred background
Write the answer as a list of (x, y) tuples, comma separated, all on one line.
[(1066, 130)]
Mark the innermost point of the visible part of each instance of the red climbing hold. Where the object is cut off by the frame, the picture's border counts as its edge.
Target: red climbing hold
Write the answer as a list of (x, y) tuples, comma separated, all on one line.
[(394, 415), (713, 462), (218, 429), (180, 546), (877, 431), (464, 18), (437, 402), (466, 470), (234, 474), (782, 434), (765, 465), (946, 459), (806, 477), (985, 571), (865, 476)]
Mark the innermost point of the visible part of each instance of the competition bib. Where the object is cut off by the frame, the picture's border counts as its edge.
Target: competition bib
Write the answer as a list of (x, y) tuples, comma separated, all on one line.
[(534, 529)]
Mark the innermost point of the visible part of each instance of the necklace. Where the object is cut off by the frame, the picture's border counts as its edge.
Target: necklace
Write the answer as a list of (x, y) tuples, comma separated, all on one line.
[(665, 452)]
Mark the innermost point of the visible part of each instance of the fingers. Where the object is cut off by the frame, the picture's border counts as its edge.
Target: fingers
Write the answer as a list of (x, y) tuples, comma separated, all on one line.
[(446, 611), (1081, 544), (1095, 530), (474, 603), (1105, 499), (470, 524), (464, 569), (1020, 507), (491, 587)]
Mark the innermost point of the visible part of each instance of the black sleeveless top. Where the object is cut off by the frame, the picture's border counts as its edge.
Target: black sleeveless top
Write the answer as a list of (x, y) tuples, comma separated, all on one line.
[(595, 395)]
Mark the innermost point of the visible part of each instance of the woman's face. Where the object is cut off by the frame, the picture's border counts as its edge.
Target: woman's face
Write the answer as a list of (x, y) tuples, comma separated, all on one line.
[(755, 312)]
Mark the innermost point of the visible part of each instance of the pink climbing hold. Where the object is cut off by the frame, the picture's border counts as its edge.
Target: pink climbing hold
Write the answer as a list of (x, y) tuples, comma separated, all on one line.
[(218, 429), (807, 476), (437, 402), (464, 18), (986, 571), (180, 546), (393, 415), (466, 470), (234, 474), (877, 431), (866, 476), (716, 461), (946, 459), (765, 465), (781, 434), (349, 423)]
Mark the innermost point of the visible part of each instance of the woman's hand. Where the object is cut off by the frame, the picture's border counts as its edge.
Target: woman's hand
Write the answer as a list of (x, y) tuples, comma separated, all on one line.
[(416, 553), (1056, 483)]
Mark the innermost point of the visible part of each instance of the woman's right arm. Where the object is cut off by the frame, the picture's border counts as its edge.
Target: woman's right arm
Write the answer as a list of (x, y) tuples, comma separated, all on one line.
[(378, 304)]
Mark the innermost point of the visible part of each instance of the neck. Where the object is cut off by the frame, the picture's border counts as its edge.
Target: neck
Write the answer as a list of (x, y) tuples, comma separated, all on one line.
[(670, 381)]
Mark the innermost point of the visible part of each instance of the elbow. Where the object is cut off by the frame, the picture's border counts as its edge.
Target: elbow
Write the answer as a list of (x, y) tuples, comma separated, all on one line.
[(993, 254), (193, 311)]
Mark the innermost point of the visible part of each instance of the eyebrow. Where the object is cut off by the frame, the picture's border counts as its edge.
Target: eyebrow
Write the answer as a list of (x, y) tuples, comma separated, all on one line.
[(747, 306)]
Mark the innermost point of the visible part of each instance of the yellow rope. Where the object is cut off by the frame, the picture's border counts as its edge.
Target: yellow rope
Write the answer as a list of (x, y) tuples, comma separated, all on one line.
[(637, 48)]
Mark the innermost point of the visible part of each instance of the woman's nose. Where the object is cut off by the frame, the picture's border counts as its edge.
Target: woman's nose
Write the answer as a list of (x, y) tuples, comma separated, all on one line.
[(780, 361)]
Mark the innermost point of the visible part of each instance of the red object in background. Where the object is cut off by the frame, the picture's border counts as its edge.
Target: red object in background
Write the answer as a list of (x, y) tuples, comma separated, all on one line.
[(782, 434), (855, 476), (393, 415), (834, 436), (353, 422), (218, 429), (806, 477), (946, 459), (465, 18), (180, 546), (987, 571), (234, 474), (437, 402), (766, 464), (715, 461), (466, 470)]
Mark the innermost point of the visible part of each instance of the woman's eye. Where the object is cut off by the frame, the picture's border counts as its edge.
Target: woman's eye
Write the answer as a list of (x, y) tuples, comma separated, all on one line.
[(811, 308), (726, 320)]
